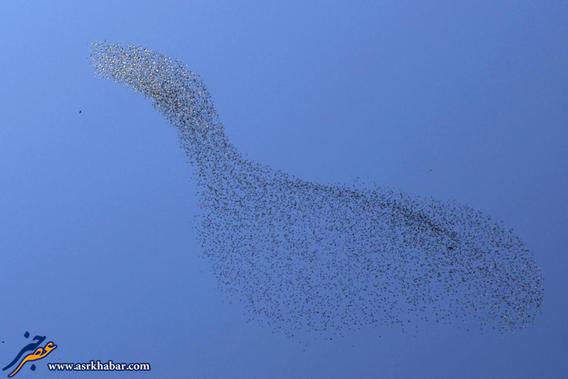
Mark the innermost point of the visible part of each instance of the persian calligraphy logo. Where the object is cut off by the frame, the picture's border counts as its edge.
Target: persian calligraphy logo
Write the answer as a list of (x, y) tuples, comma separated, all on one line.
[(37, 352)]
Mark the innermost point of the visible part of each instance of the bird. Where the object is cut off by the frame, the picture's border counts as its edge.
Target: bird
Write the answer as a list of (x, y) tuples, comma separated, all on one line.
[(326, 258)]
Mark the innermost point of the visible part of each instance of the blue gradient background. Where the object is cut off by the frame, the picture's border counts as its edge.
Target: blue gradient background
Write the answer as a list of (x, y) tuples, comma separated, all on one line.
[(458, 100)]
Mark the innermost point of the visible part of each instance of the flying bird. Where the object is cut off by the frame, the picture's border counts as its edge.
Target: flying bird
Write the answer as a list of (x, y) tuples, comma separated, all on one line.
[(317, 257)]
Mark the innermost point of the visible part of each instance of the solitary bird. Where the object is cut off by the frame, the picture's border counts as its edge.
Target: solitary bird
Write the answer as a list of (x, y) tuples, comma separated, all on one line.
[(325, 258)]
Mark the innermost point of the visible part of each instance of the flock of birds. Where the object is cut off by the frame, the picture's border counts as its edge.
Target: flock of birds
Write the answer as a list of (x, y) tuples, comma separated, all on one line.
[(304, 256)]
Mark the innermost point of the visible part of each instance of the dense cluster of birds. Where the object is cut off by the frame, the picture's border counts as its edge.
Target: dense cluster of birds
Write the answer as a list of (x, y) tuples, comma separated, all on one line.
[(323, 258)]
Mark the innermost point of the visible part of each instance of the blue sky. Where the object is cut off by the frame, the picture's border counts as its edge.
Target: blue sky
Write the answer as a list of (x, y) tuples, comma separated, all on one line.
[(464, 101)]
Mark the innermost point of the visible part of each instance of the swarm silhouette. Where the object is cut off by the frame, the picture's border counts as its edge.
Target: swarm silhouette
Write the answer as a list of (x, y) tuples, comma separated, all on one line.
[(326, 258)]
